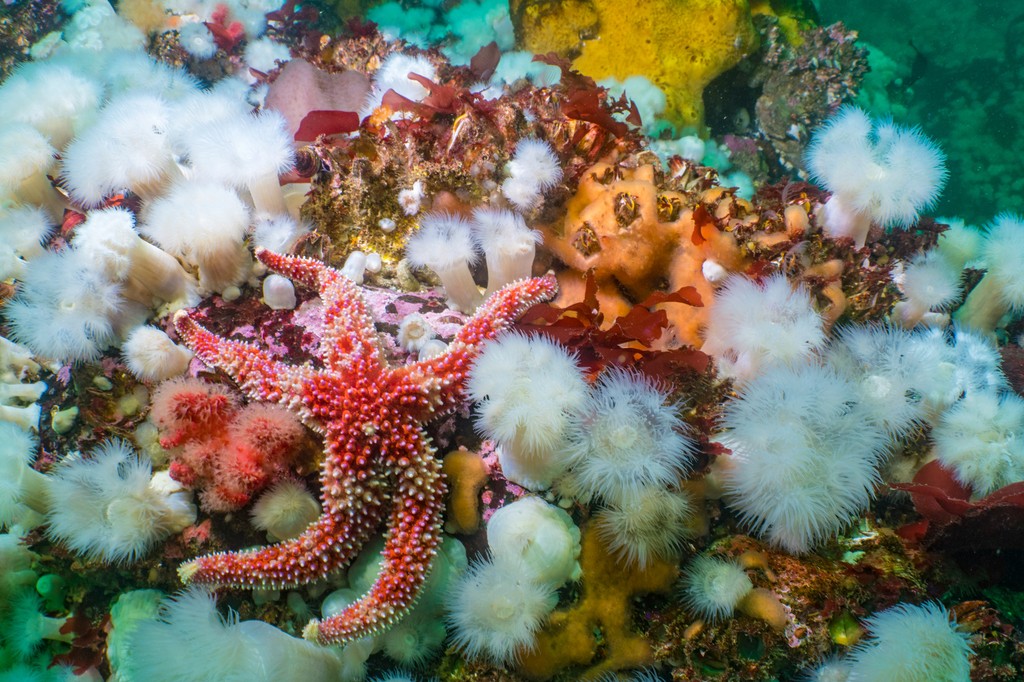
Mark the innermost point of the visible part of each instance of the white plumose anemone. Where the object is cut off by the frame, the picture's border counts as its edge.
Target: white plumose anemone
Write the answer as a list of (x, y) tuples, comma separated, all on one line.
[(712, 587), (893, 372), (24, 492), (508, 245), (804, 457), (540, 535), (1002, 287), (190, 640), (532, 169), (65, 307), (753, 326), (110, 509), (981, 438), (525, 389), (444, 244), (109, 241), (626, 437), (393, 74), (929, 284), (285, 510), (497, 610), (204, 224), (151, 355), (128, 148), (247, 153), (912, 644), (651, 523), (876, 171)]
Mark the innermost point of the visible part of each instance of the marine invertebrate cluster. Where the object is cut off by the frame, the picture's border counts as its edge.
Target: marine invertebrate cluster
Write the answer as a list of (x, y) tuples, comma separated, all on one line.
[(369, 414), (652, 455), (877, 172), (803, 463), (228, 452), (111, 506)]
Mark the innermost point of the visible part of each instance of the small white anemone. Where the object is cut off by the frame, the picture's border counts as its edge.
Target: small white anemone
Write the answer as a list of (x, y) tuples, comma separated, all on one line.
[(393, 74), (110, 508), (649, 524), (525, 389), (939, 651), (712, 587), (497, 610), (625, 437), (832, 669), (444, 243), (929, 284), (533, 168), (278, 292), (536, 158), (278, 233), (285, 510), (197, 39), (151, 355), (753, 326), (414, 332)]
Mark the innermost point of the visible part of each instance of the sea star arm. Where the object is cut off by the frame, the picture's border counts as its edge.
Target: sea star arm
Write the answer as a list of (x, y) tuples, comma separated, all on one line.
[(310, 556), (414, 532), (259, 375), (444, 376), (348, 325)]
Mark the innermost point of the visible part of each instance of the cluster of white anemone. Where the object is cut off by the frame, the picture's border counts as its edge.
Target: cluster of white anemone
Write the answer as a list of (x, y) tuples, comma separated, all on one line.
[(18, 394), (450, 246), (501, 602), (619, 442), (205, 169), (907, 643), (808, 440)]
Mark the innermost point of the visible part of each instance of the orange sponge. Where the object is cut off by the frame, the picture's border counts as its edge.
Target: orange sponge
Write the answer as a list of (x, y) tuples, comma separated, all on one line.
[(603, 612)]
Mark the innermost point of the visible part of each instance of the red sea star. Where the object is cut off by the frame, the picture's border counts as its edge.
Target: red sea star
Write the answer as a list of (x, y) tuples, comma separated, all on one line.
[(377, 460)]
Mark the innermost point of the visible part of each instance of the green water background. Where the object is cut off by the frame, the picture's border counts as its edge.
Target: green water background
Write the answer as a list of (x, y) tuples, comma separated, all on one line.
[(956, 69)]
